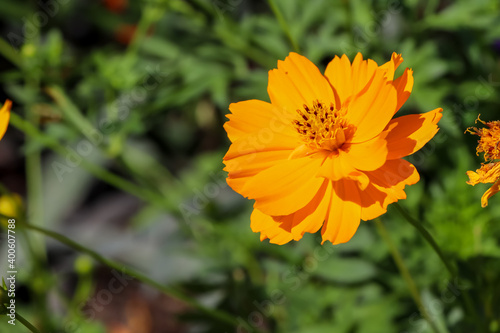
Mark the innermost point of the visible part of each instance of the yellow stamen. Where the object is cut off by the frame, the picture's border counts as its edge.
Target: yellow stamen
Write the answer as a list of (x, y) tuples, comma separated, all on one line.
[(322, 126)]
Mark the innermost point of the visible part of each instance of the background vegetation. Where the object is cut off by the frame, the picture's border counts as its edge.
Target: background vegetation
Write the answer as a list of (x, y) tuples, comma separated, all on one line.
[(117, 144)]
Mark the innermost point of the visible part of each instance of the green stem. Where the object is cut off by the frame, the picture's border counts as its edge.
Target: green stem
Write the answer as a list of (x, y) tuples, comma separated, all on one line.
[(26, 323), (10, 53), (150, 15), (139, 34), (453, 272), (283, 24), (36, 207), (71, 112), (405, 273), (96, 170), (428, 238), (216, 314)]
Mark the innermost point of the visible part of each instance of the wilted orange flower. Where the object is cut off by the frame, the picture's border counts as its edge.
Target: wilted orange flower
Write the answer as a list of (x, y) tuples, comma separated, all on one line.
[(325, 152), (4, 117), (125, 33), (489, 140)]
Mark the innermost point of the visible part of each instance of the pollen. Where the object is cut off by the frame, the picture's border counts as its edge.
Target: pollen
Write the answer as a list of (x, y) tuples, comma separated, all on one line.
[(322, 126), (489, 139)]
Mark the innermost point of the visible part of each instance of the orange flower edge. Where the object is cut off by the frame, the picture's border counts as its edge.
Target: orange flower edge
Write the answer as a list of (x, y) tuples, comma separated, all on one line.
[(488, 173), (489, 140), (4, 117), (326, 152)]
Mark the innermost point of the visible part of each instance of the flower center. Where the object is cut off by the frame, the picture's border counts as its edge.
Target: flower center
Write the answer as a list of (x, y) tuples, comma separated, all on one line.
[(322, 126)]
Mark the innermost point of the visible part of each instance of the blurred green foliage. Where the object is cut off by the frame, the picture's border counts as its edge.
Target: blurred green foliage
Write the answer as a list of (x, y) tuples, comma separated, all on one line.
[(143, 93)]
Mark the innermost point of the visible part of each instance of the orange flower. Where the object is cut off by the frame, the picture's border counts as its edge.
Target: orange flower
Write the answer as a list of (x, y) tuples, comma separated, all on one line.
[(489, 140), (4, 117), (325, 152), (125, 32)]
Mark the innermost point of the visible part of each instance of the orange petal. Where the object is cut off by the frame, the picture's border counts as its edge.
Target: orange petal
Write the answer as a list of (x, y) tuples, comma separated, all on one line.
[(282, 229), (243, 167), (4, 117), (369, 155), (253, 116), (311, 217), (495, 188), (260, 140), (344, 213), (386, 186), (297, 81), (252, 144), (349, 80), (392, 65), (403, 85), (371, 109), (286, 187), (407, 134), (362, 72), (265, 139), (337, 166), (373, 202), (268, 228), (339, 74)]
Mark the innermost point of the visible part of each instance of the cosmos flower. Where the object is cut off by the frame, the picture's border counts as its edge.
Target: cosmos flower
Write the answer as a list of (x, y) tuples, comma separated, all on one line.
[(325, 153), (488, 143)]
